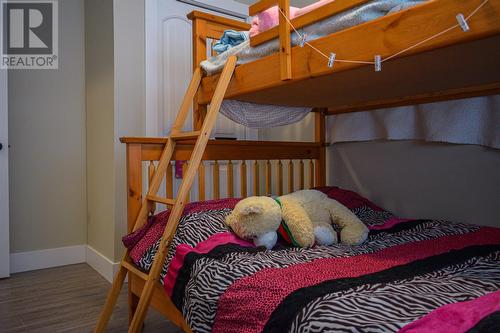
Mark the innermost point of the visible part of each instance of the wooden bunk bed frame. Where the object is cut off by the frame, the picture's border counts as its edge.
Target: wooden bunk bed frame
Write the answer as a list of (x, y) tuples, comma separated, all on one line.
[(442, 69), (455, 65)]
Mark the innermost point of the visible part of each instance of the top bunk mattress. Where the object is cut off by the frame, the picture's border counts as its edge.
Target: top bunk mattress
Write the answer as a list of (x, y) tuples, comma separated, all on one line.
[(350, 18)]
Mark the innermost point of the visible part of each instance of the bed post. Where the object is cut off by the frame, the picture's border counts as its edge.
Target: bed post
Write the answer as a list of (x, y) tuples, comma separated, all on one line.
[(285, 40), (319, 137), (211, 27), (134, 200), (284, 29), (199, 54)]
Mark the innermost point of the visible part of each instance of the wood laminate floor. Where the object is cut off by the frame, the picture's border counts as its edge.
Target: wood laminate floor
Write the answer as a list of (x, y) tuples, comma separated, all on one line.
[(64, 299)]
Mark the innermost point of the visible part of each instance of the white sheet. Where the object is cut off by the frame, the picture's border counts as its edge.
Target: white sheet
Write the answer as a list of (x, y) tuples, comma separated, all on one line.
[(468, 121), (260, 115)]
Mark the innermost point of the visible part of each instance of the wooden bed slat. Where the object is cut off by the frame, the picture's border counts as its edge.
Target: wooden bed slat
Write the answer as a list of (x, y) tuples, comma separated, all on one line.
[(230, 180), (201, 182), (151, 172), (216, 180), (290, 176), (311, 174), (301, 175), (320, 138), (256, 180), (243, 178), (184, 171), (269, 173), (169, 186), (280, 177)]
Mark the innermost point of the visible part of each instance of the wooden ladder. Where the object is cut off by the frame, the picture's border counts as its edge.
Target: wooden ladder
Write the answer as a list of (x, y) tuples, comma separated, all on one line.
[(177, 204)]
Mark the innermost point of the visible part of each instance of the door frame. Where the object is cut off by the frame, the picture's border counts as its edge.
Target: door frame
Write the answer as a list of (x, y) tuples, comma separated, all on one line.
[(4, 178)]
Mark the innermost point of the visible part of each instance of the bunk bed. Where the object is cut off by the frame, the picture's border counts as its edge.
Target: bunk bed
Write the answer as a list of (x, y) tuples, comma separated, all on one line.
[(454, 65)]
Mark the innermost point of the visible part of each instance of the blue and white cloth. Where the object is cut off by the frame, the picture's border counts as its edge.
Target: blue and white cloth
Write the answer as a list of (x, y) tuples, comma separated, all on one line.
[(230, 39)]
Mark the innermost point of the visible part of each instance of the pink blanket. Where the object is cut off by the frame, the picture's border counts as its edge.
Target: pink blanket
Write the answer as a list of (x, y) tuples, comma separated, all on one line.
[(270, 17), (456, 317)]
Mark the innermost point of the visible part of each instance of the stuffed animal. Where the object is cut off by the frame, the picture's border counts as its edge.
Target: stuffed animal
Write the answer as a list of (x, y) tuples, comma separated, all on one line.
[(304, 217)]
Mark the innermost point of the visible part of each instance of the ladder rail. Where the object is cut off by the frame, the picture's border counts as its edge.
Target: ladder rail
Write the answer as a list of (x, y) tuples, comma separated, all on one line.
[(143, 212), (169, 148), (181, 201), (187, 101), (111, 299), (200, 145)]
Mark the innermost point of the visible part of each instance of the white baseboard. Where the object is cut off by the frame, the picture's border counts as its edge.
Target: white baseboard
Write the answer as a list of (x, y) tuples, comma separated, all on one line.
[(40, 259), (62, 256), (101, 263)]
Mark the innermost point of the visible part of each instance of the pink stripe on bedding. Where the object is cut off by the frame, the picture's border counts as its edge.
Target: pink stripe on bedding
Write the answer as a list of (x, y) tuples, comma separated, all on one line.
[(204, 247), (149, 239), (255, 297), (456, 317), (156, 230)]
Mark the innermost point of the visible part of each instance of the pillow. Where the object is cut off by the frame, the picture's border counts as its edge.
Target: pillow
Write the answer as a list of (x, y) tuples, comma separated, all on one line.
[(374, 217), (269, 18), (199, 221)]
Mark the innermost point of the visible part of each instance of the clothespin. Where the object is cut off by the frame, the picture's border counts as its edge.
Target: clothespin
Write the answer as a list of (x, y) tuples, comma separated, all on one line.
[(302, 40), (462, 22), (331, 59), (378, 63)]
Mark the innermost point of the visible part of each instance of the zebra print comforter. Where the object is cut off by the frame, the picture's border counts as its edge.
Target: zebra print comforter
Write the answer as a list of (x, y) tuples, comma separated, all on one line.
[(410, 276)]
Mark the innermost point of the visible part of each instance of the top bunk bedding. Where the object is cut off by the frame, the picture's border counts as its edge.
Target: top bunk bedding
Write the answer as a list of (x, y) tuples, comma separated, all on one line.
[(369, 11), (412, 275)]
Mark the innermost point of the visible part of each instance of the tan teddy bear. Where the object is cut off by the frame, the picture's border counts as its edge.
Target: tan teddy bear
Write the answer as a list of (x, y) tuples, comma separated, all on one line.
[(305, 216)]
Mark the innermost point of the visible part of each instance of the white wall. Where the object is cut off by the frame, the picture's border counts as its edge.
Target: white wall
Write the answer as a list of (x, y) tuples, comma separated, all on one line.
[(115, 108), (425, 180), (4, 177), (65, 127), (100, 80), (47, 138), (129, 44), (412, 179)]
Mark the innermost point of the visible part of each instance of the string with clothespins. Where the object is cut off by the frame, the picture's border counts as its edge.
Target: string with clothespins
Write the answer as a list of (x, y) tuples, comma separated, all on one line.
[(462, 23)]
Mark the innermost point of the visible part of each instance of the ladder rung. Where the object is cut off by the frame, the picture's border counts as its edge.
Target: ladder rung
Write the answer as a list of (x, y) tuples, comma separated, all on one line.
[(185, 135), (158, 199), (131, 268)]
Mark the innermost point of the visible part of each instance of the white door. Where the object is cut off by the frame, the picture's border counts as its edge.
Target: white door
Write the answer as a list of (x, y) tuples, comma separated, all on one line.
[(169, 64), (169, 68), (4, 178)]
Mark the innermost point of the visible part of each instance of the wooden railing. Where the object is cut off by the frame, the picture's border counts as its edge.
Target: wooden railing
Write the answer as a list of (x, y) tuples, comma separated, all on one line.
[(282, 31), (229, 169), (245, 177)]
